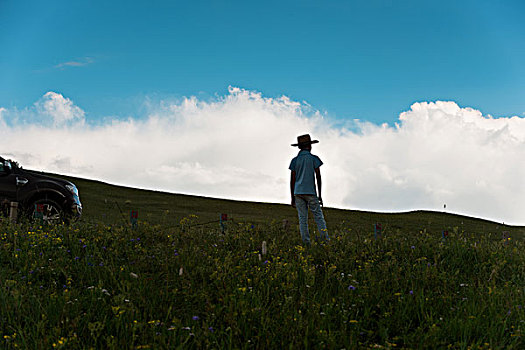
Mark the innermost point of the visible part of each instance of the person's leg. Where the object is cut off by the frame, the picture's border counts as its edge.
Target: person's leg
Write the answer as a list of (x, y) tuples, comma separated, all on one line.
[(302, 210), (315, 207)]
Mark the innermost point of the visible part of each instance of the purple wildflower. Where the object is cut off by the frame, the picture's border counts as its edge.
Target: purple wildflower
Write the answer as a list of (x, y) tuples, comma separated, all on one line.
[(350, 287), (195, 318)]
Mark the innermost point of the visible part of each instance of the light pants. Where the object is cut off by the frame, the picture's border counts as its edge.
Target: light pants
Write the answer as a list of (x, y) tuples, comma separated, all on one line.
[(303, 202)]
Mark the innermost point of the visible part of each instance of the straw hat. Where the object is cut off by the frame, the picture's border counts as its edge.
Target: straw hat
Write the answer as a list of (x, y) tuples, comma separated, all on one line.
[(304, 140)]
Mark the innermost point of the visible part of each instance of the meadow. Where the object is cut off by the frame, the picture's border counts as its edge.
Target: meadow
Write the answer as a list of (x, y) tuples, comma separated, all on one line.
[(99, 283)]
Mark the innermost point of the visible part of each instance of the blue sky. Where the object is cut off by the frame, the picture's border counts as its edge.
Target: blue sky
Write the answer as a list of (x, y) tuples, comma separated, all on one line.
[(351, 59)]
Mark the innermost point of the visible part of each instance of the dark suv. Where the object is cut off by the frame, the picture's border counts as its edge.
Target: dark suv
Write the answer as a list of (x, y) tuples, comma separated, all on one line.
[(38, 195)]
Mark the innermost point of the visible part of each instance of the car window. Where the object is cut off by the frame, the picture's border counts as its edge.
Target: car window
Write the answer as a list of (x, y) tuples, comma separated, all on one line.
[(4, 166)]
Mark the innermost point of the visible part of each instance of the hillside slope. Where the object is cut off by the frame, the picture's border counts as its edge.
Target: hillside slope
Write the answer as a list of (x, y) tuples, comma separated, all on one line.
[(111, 204)]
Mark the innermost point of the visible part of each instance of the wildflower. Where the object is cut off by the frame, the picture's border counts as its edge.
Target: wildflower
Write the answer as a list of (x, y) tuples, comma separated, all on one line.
[(350, 287), (411, 292), (413, 247), (195, 318)]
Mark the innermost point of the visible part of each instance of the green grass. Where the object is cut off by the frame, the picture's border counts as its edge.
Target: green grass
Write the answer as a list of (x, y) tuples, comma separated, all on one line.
[(111, 205), (172, 284)]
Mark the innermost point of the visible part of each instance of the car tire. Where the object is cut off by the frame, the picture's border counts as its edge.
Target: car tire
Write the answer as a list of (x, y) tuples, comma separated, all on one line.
[(52, 212)]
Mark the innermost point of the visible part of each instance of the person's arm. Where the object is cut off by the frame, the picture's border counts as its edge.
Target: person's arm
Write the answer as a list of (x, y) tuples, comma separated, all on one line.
[(319, 184), (292, 187)]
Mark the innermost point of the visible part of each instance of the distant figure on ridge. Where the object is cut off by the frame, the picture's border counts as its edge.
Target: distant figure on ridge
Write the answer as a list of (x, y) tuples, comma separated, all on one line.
[(302, 187)]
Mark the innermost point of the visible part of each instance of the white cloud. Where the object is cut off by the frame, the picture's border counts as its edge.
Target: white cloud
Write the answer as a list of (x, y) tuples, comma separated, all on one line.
[(75, 63), (59, 108), (238, 146)]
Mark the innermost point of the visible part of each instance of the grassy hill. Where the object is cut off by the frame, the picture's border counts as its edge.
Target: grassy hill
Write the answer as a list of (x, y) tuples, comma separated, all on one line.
[(112, 204), (163, 285)]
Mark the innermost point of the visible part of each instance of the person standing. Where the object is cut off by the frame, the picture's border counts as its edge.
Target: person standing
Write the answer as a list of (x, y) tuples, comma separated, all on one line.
[(305, 171)]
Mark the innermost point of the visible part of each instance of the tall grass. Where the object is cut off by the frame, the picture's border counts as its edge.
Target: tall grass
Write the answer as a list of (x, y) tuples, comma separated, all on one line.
[(99, 286)]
